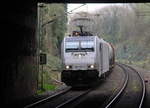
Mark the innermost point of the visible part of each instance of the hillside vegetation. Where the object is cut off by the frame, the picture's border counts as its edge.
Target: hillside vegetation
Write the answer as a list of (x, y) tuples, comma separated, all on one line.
[(52, 27)]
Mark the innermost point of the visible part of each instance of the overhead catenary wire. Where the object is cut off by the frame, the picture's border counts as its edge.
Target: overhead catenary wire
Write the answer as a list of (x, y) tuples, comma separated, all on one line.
[(59, 16), (76, 8)]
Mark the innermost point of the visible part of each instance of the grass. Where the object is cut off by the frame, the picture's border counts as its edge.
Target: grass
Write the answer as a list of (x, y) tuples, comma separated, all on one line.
[(49, 87), (46, 87)]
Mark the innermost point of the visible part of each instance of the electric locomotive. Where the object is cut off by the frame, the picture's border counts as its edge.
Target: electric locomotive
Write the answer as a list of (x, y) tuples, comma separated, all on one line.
[(85, 59)]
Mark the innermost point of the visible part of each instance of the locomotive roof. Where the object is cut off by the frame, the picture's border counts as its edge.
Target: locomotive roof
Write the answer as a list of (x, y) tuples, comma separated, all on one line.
[(74, 38), (83, 38)]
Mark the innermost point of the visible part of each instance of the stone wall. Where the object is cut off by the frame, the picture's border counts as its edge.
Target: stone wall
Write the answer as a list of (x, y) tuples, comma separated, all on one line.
[(19, 50)]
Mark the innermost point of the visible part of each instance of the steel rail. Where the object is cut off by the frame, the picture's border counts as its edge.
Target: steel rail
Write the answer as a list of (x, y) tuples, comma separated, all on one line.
[(121, 90), (143, 84), (47, 98), (73, 99)]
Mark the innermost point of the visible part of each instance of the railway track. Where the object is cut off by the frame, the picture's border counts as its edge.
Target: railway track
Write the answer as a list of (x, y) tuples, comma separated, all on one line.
[(65, 104), (143, 84), (120, 99), (114, 98), (34, 104), (58, 100)]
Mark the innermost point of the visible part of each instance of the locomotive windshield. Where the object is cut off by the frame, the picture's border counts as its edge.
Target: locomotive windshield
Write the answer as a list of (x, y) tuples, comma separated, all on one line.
[(87, 45), (72, 46), (79, 46)]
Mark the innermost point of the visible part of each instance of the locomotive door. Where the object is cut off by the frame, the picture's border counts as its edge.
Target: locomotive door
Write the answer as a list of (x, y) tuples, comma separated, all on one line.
[(105, 59), (104, 55), (101, 57)]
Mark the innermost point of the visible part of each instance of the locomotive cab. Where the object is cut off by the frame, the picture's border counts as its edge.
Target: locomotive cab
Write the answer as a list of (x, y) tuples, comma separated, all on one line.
[(79, 59), (79, 53)]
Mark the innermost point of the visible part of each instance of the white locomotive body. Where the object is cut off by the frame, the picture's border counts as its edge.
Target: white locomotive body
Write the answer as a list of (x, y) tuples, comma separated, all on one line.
[(85, 59)]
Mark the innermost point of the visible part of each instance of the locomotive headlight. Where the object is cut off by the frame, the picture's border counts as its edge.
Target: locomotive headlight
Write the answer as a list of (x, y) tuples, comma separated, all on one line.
[(79, 55), (91, 66), (67, 67)]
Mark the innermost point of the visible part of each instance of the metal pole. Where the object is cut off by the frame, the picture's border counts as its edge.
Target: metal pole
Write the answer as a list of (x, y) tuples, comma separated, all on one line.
[(40, 35), (42, 84), (38, 44)]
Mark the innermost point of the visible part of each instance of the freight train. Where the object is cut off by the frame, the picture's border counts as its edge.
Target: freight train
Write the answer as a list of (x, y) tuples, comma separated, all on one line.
[(85, 58)]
